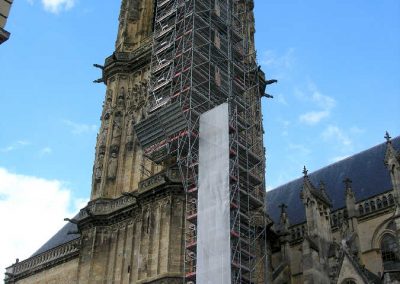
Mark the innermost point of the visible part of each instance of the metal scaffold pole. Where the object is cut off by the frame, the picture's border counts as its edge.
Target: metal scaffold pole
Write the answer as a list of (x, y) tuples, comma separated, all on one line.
[(201, 58)]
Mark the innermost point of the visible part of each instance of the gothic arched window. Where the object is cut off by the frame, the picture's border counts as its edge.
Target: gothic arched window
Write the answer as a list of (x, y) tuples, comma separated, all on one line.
[(389, 251), (293, 234), (349, 281), (366, 204), (334, 220), (372, 205), (361, 209), (379, 203), (391, 199), (384, 201)]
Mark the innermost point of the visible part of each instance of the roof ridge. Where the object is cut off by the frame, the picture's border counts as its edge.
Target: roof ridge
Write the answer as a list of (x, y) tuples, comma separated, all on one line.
[(367, 170), (337, 162)]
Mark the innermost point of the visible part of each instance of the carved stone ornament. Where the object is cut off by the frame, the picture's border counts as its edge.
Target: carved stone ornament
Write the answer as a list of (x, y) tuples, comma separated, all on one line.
[(129, 100), (109, 96), (146, 221), (133, 10), (117, 129), (46, 260), (130, 131), (103, 139), (98, 170), (105, 124), (121, 98), (112, 166)]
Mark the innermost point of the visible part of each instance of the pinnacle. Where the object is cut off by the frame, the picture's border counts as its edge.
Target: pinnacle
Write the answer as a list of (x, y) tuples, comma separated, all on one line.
[(387, 137), (305, 171)]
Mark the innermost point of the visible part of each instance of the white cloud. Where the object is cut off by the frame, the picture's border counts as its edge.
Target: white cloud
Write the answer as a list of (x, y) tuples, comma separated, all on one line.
[(285, 124), (23, 142), (324, 103), (299, 148), (32, 209), (271, 59), (8, 148), (56, 6), (357, 130), (279, 64), (80, 128), (313, 117), (15, 146), (333, 132), (281, 99), (46, 151)]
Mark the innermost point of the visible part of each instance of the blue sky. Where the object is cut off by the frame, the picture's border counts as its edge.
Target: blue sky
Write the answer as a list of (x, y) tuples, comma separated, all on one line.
[(337, 63), (338, 66)]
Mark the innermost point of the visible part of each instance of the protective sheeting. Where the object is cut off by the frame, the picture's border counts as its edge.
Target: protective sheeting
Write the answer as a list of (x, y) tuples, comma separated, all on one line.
[(213, 231)]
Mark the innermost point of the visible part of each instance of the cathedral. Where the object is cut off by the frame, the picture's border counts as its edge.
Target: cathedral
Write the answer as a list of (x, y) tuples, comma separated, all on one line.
[(178, 189), (178, 183), (340, 224)]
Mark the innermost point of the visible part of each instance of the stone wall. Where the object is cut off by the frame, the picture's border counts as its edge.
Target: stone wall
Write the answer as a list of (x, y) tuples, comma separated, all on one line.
[(65, 273), (371, 225), (370, 255), (348, 272), (146, 247)]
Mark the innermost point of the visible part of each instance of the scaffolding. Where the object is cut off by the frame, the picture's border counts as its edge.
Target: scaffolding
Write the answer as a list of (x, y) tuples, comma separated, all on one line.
[(201, 58)]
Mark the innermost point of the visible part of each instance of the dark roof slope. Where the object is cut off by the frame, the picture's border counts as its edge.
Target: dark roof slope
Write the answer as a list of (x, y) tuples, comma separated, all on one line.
[(317, 192), (365, 169), (60, 238)]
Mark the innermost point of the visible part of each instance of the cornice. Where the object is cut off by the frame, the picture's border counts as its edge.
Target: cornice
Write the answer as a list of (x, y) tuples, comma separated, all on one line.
[(43, 261), (4, 35), (127, 62), (106, 212), (101, 213)]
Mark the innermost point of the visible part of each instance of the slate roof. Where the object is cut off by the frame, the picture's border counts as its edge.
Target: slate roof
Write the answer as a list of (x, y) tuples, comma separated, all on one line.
[(317, 192), (60, 238), (366, 169)]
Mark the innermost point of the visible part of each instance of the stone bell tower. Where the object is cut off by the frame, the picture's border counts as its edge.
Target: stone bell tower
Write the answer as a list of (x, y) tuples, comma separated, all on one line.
[(132, 229), (174, 62), (141, 223), (119, 162)]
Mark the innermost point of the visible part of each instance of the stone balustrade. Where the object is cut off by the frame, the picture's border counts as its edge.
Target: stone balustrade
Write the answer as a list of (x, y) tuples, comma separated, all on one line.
[(43, 260)]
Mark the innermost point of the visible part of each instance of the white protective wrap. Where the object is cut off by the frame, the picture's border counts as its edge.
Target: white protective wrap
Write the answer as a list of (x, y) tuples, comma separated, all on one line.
[(213, 231)]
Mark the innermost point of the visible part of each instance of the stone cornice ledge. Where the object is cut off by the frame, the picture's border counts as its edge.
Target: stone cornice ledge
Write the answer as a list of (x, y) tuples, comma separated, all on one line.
[(127, 62), (100, 212), (42, 261), (105, 206), (4, 35), (106, 211)]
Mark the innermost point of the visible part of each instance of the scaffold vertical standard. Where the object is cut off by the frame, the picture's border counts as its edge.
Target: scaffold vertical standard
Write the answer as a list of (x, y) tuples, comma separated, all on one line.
[(202, 57)]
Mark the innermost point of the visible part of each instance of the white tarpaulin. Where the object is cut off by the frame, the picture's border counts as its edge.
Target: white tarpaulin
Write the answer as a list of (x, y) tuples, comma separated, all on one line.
[(213, 231)]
